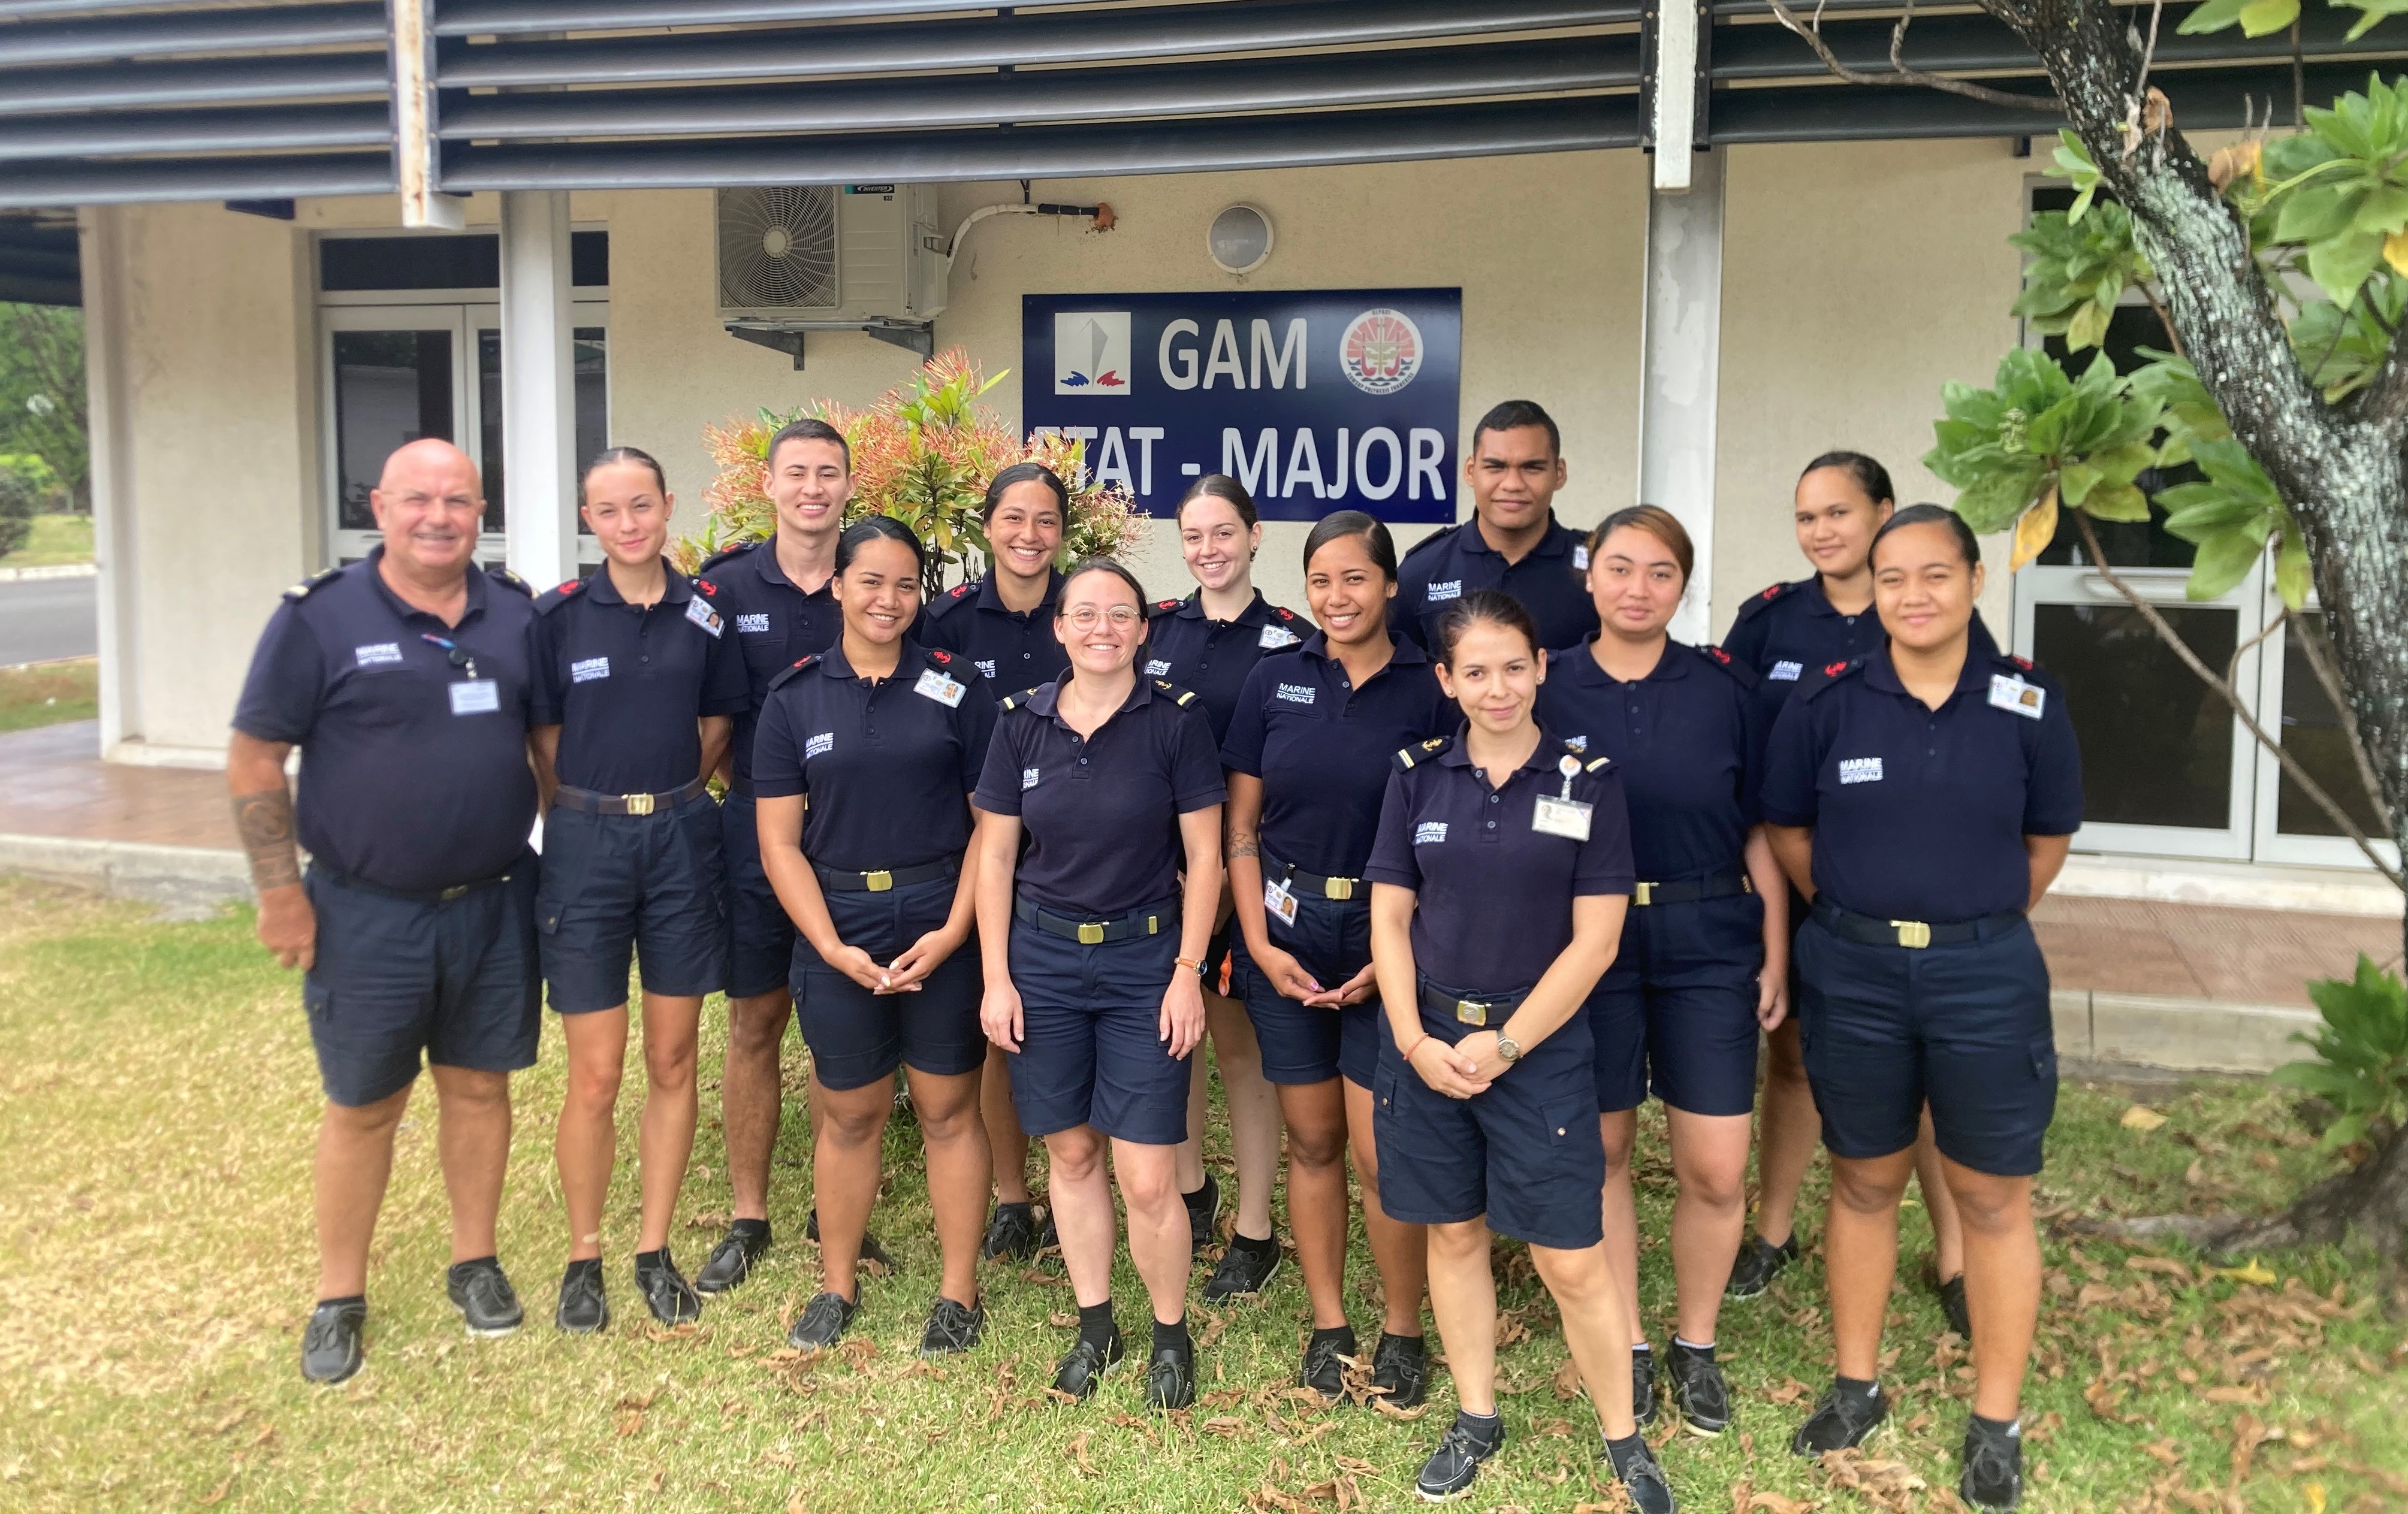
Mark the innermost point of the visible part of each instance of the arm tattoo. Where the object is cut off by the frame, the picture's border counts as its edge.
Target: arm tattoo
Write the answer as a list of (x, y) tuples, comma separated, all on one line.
[(1245, 846), (264, 822)]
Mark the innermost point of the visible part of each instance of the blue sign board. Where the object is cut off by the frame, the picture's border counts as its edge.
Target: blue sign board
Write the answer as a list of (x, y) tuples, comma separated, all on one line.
[(1316, 401)]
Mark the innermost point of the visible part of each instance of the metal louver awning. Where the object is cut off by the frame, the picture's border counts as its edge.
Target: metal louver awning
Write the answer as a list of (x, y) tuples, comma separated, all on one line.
[(106, 100)]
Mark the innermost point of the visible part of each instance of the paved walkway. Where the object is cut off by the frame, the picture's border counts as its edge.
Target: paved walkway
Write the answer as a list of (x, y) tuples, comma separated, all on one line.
[(58, 787), (2204, 951)]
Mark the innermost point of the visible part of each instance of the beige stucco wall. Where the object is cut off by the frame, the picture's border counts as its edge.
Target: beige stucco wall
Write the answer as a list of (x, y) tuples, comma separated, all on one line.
[(1858, 278)]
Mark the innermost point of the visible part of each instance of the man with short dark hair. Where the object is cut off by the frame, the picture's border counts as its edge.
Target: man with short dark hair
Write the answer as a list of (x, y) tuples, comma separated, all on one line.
[(404, 681), (1513, 542)]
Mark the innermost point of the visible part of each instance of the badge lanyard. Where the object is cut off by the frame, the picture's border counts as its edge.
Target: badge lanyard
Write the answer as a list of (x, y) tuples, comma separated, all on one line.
[(471, 696), (1561, 814), (452, 651)]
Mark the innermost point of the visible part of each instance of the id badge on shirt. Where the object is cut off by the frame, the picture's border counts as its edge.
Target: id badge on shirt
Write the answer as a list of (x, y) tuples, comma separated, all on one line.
[(938, 687), (1567, 818), (1277, 899), (476, 696), (701, 614), (1276, 636), (2025, 699)]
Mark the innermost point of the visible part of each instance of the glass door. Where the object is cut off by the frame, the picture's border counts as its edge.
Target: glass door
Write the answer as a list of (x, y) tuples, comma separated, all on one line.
[(2292, 828), (392, 375), (590, 374)]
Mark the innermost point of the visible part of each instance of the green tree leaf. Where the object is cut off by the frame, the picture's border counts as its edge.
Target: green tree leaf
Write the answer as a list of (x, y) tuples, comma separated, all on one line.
[(2263, 18), (2223, 561), (2215, 16)]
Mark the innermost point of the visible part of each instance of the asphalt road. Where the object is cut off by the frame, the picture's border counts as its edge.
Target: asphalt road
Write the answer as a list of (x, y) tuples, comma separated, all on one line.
[(48, 618)]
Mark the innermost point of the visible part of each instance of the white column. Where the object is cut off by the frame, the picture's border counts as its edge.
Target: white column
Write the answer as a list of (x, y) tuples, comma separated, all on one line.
[(120, 589), (1680, 345), (539, 390)]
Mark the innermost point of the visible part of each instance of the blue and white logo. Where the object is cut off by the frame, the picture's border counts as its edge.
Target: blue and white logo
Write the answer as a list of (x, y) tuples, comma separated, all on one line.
[(1028, 779), (819, 746), (1297, 694), (589, 669), (1090, 352), (1429, 833), (1860, 769), (752, 626), (1785, 672)]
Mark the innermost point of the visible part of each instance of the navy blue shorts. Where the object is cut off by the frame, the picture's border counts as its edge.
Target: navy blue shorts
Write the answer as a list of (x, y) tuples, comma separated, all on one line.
[(1679, 1004), (856, 1037), (1527, 1153), (1332, 939), (453, 978), (1965, 1027), (650, 888), (760, 954), (1089, 1053)]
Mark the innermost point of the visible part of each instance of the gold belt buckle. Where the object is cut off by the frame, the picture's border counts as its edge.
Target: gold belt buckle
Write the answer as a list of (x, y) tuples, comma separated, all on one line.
[(1338, 888), (1470, 1013), (1642, 893), (879, 882), (1913, 933), (637, 804), (1091, 934)]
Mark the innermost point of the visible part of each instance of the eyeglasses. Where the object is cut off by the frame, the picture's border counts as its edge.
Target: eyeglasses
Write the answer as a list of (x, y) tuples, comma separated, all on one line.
[(1086, 617)]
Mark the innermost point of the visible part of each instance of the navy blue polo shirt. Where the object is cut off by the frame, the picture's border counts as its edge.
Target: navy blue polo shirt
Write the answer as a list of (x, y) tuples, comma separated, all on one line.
[(1214, 657), (1012, 648), (1551, 581), (1784, 632), (1921, 814), (888, 765), (1495, 906), (773, 620), (625, 685), (1102, 815), (1687, 739), (1323, 748), (414, 772)]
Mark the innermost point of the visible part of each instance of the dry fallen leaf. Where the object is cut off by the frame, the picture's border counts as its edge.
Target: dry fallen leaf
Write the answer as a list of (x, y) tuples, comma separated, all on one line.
[(1566, 1379), (2141, 1118), (2254, 1273)]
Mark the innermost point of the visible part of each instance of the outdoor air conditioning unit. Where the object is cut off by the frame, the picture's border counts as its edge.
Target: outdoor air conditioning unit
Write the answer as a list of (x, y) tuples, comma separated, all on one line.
[(829, 255)]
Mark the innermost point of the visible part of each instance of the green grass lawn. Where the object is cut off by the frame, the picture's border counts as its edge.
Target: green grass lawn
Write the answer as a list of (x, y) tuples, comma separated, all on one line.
[(45, 693), (56, 539), (157, 1100)]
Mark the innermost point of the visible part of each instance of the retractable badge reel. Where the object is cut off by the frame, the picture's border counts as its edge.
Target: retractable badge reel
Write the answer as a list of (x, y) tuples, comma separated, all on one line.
[(1561, 814)]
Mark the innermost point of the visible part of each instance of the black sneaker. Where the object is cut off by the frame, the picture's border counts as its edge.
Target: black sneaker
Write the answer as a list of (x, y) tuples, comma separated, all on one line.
[(1759, 1263), (951, 1328), (731, 1261), (1641, 1476), (1401, 1366), (1698, 1391), (1953, 1304), (666, 1293), (1170, 1377), (330, 1346), (1246, 1268), (1081, 1371), (1840, 1419), (482, 1293), (1643, 1387), (582, 1308), (1451, 1468), (1203, 1211), (1323, 1372), (870, 1250), (1011, 1232), (1993, 1481), (822, 1324)]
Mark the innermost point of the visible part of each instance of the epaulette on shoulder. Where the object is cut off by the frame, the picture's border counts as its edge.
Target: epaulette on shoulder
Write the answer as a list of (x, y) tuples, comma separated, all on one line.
[(1162, 606), (2022, 664), (1755, 605), (1725, 661), (511, 581), (1409, 758), (1016, 700), (725, 554), (1820, 678), (939, 656), (311, 584), (1597, 765), (1286, 615), (960, 593), (785, 672), (552, 598), (1180, 696), (1427, 544)]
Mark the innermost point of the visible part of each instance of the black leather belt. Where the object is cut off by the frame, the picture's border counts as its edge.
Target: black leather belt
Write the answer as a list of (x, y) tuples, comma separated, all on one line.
[(1489, 1010), (1152, 920), (627, 803), (1912, 933), (442, 896), (1720, 884), (1297, 881), (886, 878)]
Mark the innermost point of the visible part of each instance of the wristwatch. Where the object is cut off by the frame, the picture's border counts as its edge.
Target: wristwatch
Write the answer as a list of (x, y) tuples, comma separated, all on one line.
[(1508, 1051)]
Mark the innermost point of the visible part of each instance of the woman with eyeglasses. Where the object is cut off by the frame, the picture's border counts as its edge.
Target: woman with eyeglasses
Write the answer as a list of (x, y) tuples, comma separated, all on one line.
[(860, 774), (1209, 642), (1499, 875), (1092, 944), (636, 683)]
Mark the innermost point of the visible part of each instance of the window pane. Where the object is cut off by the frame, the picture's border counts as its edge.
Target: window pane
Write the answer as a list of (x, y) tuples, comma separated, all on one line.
[(589, 361), (591, 353), (2157, 743), (391, 387), (488, 421), (2312, 734), (470, 260)]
